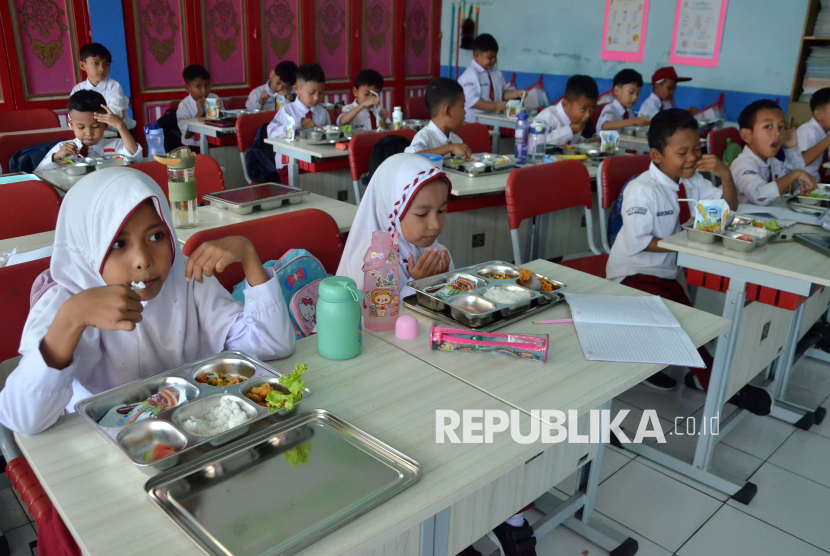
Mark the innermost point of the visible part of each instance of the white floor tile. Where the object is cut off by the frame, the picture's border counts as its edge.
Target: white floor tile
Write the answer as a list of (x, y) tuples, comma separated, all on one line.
[(811, 375), (735, 533), (19, 540), (790, 503), (804, 397), (633, 418), (651, 503), (680, 402), (12, 515), (758, 436), (805, 454)]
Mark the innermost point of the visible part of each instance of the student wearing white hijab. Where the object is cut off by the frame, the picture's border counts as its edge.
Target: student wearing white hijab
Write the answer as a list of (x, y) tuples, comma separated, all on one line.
[(405, 196), (114, 228)]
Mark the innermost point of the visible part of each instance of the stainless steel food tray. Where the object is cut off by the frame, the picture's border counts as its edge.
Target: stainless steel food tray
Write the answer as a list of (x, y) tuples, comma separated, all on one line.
[(479, 165), (284, 488), (166, 426), (793, 203), (341, 139), (292, 195), (471, 308), (731, 242)]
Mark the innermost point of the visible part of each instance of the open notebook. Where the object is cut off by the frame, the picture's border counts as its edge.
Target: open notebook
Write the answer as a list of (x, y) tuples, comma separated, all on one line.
[(630, 329)]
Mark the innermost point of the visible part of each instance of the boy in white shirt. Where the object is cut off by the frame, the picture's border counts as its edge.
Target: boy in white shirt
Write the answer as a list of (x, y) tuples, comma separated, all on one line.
[(566, 119), (814, 136), (664, 82), (95, 61), (280, 82), (652, 210), (484, 87), (445, 101), (617, 114), (758, 175), (310, 87), (89, 118), (197, 85), (364, 113)]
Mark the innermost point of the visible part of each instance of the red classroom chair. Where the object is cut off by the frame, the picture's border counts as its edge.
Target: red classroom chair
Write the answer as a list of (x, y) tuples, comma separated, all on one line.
[(416, 108), (613, 173), (716, 140), (537, 190), (27, 207), (15, 289), (25, 120), (360, 149), (173, 104), (246, 127), (310, 229), (235, 103), (209, 177), (476, 136), (10, 144)]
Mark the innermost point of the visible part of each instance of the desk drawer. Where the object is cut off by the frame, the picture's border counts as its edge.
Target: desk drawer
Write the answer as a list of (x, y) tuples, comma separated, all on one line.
[(813, 309)]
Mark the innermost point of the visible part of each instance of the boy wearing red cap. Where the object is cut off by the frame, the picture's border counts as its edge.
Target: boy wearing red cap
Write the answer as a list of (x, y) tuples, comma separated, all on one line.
[(664, 81)]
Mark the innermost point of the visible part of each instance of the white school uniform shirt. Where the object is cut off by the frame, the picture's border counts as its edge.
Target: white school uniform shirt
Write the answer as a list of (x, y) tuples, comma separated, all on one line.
[(653, 105), (612, 112), (476, 84), (650, 209), (103, 147), (298, 111), (187, 321), (188, 109), (559, 126), (431, 137), (113, 94), (755, 178), (362, 119), (253, 98), (809, 135)]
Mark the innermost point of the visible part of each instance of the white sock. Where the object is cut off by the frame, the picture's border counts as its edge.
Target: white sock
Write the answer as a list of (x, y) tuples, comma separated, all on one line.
[(517, 520)]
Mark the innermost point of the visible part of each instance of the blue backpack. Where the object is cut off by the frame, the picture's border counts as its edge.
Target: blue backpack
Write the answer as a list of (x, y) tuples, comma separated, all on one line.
[(26, 160), (615, 221), (259, 160)]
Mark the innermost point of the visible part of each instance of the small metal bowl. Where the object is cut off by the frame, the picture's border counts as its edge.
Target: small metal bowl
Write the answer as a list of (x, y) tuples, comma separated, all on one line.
[(226, 366), (731, 241), (628, 131), (761, 236), (140, 435), (312, 134), (509, 310), (78, 169), (475, 167), (510, 272), (472, 310), (417, 125), (332, 131), (699, 236), (641, 131), (200, 408)]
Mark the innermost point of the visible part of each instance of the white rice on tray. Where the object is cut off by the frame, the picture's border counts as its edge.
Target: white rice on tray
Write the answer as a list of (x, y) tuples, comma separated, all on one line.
[(225, 416), (505, 296)]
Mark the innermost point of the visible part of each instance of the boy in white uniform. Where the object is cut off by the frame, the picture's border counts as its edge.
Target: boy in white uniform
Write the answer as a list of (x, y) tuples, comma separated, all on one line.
[(664, 82), (484, 87), (197, 85), (566, 119), (89, 118), (364, 113), (445, 102), (280, 82), (758, 175), (95, 61), (310, 86), (617, 114), (814, 136)]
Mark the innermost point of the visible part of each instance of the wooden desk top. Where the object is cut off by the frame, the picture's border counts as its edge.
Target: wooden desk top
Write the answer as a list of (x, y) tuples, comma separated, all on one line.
[(496, 118), (300, 149), (198, 125)]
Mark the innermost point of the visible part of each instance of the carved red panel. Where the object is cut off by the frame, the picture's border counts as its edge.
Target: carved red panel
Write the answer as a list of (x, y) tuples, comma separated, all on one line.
[(332, 41), (419, 35), (378, 35), (224, 37), (160, 31), (281, 31)]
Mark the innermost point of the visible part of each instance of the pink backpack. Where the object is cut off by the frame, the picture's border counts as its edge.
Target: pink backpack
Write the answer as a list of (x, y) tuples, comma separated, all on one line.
[(303, 309)]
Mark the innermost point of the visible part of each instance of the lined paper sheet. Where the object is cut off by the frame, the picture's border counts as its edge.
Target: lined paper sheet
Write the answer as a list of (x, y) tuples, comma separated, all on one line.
[(630, 329)]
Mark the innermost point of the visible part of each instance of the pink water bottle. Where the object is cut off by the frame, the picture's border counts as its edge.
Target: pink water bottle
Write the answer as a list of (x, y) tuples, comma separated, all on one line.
[(380, 282)]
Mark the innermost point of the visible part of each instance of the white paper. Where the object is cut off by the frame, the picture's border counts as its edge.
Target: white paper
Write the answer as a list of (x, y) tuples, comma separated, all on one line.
[(630, 329), (697, 28), (20, 258), (625, 20)]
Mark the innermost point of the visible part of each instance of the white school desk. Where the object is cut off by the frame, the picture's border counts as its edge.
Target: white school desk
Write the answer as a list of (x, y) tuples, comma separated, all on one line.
[(464, 490), (498, 120), (198, 125), (210, 217), (298, 150), (463, 185), (58, 179)]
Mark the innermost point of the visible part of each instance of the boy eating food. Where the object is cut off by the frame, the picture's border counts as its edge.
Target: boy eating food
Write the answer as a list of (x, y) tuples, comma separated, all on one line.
[(445, 101), (484, 85), (197, 85), (95, 61), (814, 136), (617, 114), (280, 82), (566, 119), (364, 112), (664, 82)]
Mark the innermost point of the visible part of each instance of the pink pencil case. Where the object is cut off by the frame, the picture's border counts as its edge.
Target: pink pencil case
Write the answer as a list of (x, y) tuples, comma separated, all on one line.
[(522, 346)]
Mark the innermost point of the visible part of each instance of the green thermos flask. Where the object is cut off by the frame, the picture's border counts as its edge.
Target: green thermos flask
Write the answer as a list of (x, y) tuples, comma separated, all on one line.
[(339, 308)]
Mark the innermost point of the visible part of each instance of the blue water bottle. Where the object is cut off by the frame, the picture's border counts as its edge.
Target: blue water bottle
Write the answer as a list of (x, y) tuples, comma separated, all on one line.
[(155, 140), (521, 139)]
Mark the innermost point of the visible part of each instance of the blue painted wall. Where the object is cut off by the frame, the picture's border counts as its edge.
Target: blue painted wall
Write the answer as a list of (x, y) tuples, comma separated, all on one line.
[(106, 20), (558, 38)]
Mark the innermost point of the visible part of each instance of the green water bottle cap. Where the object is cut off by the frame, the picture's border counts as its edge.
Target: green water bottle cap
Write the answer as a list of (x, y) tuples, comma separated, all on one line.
[(339, 289)]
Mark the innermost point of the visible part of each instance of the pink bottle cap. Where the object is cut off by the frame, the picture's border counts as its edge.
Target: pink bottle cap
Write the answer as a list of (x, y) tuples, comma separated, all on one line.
[(406, 327)]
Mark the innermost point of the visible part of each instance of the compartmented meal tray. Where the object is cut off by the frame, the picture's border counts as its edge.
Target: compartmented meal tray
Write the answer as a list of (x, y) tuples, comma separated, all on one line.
[(266, 196), (481, 164)]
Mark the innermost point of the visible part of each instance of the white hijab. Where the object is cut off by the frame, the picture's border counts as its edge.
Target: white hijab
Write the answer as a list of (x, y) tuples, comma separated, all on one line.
[(185, 322), (391, 189)]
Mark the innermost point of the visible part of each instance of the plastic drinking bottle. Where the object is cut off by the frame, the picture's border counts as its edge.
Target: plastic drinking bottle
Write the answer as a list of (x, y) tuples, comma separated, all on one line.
[(339, 330), (536, 141), (521, 139), (397, 118), (380, 282), (155, 139), (181, 186)]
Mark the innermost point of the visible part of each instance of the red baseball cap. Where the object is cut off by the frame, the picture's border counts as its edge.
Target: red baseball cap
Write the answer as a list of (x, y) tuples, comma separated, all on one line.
[(667, 73)]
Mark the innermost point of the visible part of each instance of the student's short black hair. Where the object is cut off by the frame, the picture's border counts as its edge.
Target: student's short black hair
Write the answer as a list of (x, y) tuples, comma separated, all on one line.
[(628, 76), (749, 114), (581, 86), (485, 43), (370, 78), (667, 123), (820, 99), (92, 49), (87, 101), (286, 71), (310, 72), (194, 72), (441, 92)]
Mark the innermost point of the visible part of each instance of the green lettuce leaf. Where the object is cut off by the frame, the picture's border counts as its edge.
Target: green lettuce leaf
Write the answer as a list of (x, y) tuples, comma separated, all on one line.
[(295, 385), (298, 455)]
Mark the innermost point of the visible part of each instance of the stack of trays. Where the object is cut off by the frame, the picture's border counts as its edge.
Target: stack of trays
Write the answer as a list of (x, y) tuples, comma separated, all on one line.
[(734, 234)]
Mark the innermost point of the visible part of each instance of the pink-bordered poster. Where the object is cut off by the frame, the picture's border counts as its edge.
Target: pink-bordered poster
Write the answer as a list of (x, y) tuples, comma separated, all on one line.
[(698, 30), (624, 30)]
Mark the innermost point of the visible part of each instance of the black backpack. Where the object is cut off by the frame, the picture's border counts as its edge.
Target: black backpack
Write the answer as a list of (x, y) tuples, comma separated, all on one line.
[(383, 149), (169, 124), (259, 159), (26, 160)]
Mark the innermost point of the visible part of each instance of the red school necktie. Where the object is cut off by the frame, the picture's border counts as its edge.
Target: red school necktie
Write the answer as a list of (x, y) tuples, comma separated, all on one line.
[(685, 213), (83, 152), (625, 115), (310, 115), (373, 121), (492, 92)]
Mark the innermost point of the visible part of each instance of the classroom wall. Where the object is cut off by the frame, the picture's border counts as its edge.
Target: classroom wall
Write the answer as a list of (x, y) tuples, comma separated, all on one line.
[(560, 38), (106, 20)]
